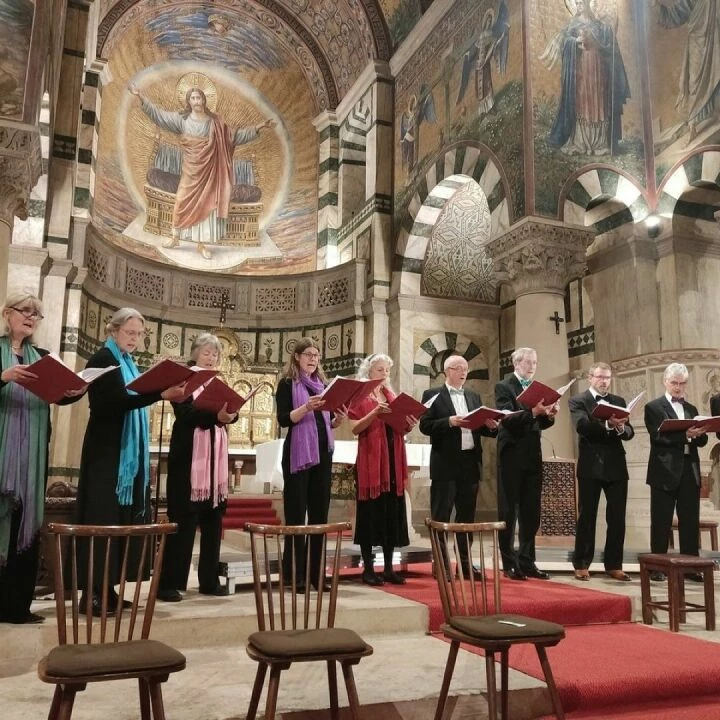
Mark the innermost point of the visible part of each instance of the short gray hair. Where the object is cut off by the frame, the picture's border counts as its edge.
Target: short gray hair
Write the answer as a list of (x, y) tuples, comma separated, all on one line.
[(675, 370), (520, 353), (201, 341), (363, 372), (120, 317)]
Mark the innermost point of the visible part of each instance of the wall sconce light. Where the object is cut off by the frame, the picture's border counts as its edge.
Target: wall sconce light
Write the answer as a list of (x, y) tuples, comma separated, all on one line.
[(652, 222)]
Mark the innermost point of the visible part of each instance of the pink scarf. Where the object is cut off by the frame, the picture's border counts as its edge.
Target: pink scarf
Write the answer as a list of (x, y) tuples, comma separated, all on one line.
[(200, 470)]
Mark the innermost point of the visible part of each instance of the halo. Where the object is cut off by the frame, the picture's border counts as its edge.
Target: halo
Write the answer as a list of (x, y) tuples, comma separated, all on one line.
[(196, 79)]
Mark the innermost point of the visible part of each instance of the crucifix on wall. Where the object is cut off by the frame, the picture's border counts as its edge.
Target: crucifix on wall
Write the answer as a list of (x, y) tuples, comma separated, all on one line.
[(555, 318), (224, 306)]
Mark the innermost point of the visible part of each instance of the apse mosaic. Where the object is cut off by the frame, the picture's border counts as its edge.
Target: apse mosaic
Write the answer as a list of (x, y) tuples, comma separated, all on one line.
[(16, 20), (205, 160)]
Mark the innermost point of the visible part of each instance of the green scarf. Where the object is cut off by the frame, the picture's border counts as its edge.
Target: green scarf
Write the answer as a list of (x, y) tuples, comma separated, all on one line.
[(24, 423)]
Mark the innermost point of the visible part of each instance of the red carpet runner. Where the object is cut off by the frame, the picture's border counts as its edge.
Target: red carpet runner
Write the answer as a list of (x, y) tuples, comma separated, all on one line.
[(607, 668), (242, 510)]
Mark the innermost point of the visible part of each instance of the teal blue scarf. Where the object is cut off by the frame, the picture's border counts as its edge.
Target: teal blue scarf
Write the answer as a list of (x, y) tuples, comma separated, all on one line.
[(135, 434)]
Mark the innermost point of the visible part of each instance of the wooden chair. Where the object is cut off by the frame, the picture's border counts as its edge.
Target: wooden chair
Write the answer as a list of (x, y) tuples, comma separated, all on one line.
[(298, 625), (114, 645), (709, 526), (473, 615)]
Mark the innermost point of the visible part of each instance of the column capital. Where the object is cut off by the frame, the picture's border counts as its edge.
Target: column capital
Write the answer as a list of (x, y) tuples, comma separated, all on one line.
[(540, 255), (20, 168)]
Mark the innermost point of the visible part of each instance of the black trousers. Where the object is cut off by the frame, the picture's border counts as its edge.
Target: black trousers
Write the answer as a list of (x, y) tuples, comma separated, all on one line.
[(589, 490), (306, 501), (179, 549), (460, 496), (685, 500), (519, 492), (17, 578)]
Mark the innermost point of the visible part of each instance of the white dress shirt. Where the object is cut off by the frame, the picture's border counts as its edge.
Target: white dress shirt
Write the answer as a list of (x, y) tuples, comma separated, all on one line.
[(461, 408)]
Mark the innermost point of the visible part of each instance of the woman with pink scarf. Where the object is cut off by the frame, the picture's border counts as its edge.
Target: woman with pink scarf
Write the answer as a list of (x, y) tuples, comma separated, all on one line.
[(197, 485), (307, 453)]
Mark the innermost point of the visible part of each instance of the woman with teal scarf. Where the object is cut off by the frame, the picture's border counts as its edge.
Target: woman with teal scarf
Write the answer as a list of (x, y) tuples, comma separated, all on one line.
[(114, 484), (24, 437)]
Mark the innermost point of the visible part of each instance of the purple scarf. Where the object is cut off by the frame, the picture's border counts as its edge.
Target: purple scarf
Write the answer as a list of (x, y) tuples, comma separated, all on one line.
[(304, 444)]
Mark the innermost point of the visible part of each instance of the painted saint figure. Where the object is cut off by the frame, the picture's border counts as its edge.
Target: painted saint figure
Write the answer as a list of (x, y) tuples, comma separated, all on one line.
[(418, 111), (593, 85), (700, 72), (202, 200)]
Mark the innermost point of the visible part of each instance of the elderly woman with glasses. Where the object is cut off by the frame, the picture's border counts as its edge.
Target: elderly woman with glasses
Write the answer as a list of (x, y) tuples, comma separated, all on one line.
[(307, 452), (24, 438), (114, 484), (197, 484)]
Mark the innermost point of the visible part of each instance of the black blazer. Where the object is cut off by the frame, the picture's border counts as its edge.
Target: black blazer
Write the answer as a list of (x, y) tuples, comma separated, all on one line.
[(601, 453), (665, 464), (446, 441), (715, 408), (519, 434)]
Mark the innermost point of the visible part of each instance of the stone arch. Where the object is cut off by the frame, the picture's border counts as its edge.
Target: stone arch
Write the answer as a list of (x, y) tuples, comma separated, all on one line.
[(695, 170), (451, 171), (615, 198), (443, 344)]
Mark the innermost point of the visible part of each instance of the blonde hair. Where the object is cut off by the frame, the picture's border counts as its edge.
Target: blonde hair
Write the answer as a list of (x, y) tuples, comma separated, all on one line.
[(120, 317), (15, 299), (292, 369)]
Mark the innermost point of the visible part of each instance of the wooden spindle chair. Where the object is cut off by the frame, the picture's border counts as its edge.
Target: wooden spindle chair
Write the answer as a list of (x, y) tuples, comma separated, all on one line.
[(296, 612), (473, 613), (108, 641)]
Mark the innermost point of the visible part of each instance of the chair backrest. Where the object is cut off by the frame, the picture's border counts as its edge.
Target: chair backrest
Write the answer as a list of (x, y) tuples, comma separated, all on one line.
[(281, 601), (461, 592), (78, 548)]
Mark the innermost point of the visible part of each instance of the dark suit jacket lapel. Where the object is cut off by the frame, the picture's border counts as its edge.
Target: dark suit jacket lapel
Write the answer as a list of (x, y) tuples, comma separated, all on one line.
[(669, 409), (470, 401), (445, 397)]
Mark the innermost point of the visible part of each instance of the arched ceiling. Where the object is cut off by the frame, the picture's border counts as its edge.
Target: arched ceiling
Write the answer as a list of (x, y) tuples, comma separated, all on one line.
[(333, 40)]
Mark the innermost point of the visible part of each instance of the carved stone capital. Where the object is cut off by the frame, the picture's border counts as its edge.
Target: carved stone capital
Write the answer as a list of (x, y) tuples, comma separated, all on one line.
[(20, 168), (539, 255)]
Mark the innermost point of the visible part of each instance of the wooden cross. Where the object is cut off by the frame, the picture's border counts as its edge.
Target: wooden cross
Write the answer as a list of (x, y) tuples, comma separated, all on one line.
[(557, 320), (224, 306)]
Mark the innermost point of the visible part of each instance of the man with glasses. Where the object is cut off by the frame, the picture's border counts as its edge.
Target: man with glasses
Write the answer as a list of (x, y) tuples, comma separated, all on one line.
[(455, 452), (673, 472), (520, 468), (601, 467)]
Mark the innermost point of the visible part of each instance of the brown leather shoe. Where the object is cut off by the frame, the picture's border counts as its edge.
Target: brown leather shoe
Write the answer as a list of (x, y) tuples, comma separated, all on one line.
[(618, 575), (582, 574)]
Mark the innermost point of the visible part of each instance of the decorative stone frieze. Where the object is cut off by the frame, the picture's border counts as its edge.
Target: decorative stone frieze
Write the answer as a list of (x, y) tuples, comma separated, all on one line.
[(20, 168), (661, 359), (539, 255)]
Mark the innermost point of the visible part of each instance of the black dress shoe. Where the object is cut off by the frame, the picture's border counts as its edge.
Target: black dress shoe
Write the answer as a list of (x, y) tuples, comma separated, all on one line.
[(390, 576), (476, 574), (515, 574), (325, 585), (657, 576), (370, 577), (537, 573), (217, 591), (169, 595), (695, 577)]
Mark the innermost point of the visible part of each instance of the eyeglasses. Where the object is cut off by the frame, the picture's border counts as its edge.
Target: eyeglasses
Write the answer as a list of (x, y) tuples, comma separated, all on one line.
[(602, 377), (458, 368), (135, 334), (28, 312), (311, 355)]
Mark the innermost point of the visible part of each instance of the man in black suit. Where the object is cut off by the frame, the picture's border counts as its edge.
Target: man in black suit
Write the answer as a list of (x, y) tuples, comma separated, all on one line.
[(455, 452), (601, 468), (520, 468), (715, 408), (673, 472)]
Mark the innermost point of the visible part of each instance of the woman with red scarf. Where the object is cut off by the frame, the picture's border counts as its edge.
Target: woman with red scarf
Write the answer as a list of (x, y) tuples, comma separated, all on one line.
[(307, 453), (381, 473)]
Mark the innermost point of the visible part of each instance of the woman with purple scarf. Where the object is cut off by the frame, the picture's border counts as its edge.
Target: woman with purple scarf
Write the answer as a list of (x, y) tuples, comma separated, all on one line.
[(307, 453), (24, 434)]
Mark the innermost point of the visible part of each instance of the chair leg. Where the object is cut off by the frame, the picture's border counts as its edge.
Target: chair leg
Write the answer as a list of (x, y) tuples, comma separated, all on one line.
[(645, 595), (332, 687), (447, 677), (491, 688), (67, 700), (256, 691), (273, 687), (709, 600), (55, 705), (157, 700), (144, 691), (504, 689), (550, 682), (353, 700)]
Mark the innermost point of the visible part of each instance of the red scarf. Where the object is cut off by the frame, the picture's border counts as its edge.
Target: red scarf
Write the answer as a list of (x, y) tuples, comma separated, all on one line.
[(373, 460)]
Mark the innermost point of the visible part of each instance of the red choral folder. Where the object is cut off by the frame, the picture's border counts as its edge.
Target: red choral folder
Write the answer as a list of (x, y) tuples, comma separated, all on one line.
[(161, 376), (200, 377), (402, 406), (538, 391), (477, 417), (711, 423), (55, 378), (217, 393), (342, 391), (605, 410)]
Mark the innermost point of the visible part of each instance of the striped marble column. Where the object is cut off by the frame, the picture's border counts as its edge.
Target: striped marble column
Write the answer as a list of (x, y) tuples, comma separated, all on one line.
[(328, 156)]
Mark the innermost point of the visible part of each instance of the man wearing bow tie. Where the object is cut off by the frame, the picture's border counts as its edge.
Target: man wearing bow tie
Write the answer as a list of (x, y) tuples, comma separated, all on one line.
[(520, 468), (673, 472), (455, 452), (601, 467)]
